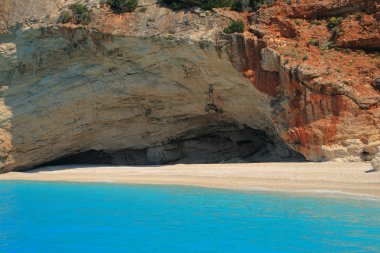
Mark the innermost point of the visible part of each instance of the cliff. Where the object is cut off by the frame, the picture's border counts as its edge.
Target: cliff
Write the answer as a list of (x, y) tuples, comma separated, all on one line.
[(159, 86)]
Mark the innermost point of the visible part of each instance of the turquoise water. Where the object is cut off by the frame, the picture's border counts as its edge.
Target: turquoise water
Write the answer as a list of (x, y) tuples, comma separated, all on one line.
[(69, 217)]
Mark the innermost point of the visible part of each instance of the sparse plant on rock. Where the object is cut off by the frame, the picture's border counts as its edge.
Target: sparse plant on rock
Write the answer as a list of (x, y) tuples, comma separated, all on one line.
[(81, 13), (334, 26), (333, 22), (65, 17), (77, 14)]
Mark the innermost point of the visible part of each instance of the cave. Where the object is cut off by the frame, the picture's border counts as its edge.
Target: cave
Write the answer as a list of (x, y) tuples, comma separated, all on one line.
[(226, 145)]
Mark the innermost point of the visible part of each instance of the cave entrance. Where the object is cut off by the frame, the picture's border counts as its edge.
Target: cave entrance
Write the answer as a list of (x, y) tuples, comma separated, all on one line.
[(227, 145)]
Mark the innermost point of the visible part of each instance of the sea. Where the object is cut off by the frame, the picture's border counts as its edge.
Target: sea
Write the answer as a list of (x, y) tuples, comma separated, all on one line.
[(59, 217)]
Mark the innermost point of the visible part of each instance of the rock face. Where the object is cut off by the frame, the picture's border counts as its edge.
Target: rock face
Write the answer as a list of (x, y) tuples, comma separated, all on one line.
[(156, 86), (376, 161), (360, 31), (325, 102), (80, 90), (322, 8)]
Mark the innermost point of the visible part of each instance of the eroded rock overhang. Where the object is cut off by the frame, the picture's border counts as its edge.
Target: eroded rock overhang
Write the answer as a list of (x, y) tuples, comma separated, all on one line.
[(151, 82), (69, 91)]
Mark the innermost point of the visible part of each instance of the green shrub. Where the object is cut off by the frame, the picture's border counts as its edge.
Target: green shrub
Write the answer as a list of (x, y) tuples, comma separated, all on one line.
[(120, 6), (81, 14), (204, 4), (237, 6), (333, 22), (65, 17), (77, 14), (235, 26), (256, 4)]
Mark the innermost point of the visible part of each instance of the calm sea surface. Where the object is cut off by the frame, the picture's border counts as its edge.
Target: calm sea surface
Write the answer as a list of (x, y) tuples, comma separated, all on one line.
[(70, 218)]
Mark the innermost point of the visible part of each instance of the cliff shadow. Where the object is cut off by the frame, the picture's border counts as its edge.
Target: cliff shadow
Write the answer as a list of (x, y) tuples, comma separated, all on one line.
[(225, 145)]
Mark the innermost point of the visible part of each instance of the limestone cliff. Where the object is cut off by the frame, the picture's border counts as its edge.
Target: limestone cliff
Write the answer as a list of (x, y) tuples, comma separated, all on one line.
[(157, 86)]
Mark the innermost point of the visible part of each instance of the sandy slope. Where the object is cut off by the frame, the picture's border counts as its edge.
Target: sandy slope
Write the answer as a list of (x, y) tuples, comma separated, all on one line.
[(343, 177)]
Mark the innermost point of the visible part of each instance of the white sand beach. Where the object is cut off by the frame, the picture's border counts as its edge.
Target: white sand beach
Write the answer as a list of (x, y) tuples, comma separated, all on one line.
[(344, 178)]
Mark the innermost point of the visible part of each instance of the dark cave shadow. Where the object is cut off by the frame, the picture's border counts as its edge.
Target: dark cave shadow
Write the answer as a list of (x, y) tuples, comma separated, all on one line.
[(60, 167), (90, 166), (215, 146)]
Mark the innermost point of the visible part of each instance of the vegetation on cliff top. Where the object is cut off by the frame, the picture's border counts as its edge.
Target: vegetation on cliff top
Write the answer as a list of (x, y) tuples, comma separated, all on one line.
[(121, 6), (237, 5), (208, 4), (77, 14)]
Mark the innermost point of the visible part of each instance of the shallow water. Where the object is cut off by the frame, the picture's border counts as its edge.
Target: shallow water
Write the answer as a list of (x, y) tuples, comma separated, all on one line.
[(70, 217)]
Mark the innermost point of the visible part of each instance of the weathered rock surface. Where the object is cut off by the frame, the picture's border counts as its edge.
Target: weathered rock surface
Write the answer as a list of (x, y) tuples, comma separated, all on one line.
[(133, 98), (376, 161), (323, 8), (360, 31), (157, 86), (325, 102), (26, 11)]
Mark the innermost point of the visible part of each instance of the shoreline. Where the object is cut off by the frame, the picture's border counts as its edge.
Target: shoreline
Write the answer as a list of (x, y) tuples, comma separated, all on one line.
[(344, 179)]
